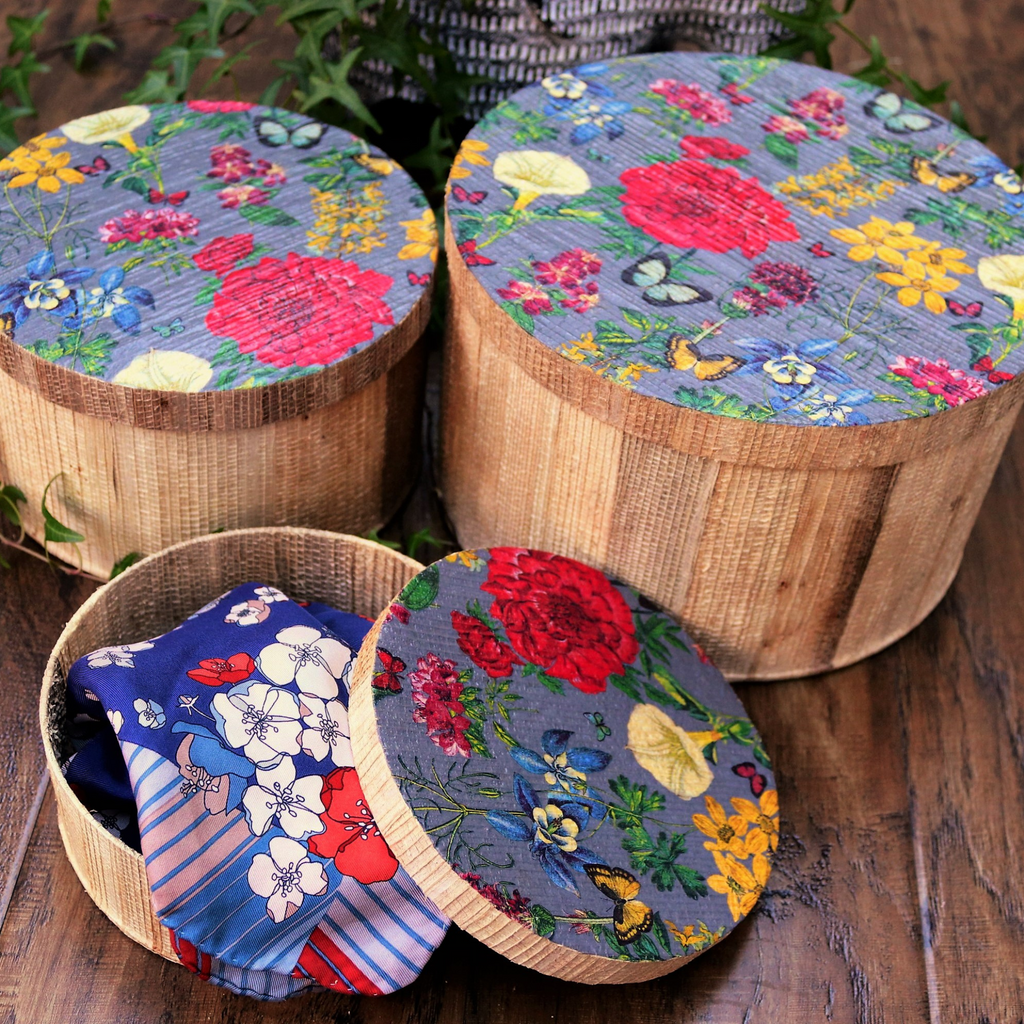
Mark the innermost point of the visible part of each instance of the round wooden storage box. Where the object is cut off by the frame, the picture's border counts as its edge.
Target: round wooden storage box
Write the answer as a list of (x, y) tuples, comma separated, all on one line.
[(559, 768), (742, 332), (211, 316), (156, 595)]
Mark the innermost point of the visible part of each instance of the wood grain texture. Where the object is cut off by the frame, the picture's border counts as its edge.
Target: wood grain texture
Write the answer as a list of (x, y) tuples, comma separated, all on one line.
[(154, 596), (344, 465), (784, 550), (896, 897)]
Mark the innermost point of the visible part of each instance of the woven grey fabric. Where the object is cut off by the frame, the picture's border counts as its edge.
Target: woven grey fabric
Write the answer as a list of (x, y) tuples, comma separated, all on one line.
[(515, 42)]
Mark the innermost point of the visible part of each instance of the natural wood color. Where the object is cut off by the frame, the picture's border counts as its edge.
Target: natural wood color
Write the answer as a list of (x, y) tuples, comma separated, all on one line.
[(145, 469), (156, 595), (784, 550)]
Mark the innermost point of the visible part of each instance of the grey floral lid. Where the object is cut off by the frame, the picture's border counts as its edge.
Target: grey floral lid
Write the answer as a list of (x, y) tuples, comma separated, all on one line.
[(207, 245), (749, 237), (573, 756)]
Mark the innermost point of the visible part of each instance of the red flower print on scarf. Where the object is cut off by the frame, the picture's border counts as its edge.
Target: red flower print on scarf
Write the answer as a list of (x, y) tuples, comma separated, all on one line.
[(562, 616), (350, 834), (478, 642), (218, 671), (300, 311), (436, 689), (221, 255), (690, 203)]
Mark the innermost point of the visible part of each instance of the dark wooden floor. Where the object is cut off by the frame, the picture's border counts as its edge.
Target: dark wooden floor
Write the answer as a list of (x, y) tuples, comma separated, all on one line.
[(898, 894)]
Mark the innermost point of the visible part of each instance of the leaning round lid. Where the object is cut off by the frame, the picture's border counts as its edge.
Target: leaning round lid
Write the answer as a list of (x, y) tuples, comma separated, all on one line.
[(560, 768), (207, 246), (748, 237)]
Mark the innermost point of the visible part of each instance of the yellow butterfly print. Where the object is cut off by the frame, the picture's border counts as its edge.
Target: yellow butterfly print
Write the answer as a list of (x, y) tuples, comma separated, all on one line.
[(671, 754), (683, 354), (927, 173), (630, 917), (375, 164)]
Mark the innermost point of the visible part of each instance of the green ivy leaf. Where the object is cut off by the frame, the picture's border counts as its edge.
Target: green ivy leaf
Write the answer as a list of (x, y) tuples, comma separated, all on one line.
[(9, 498), (123, 563), (55, 531)]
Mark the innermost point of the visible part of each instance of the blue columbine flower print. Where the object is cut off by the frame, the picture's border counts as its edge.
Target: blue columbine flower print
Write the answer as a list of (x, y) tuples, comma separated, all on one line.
[(573, 85), (112, 299), (792, 369), (564, 768), (830, 409), (552, 830), (42, 289)]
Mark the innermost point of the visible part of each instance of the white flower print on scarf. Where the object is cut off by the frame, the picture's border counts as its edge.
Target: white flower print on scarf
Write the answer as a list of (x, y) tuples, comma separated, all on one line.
[(284, 876), (327, 731), (261, 719), (293, 803), (305, 656), (123, 655)]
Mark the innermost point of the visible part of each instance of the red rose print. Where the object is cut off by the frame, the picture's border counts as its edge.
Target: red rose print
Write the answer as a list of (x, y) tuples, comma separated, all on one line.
[(221, 255), (721, 149), (219, 106), (478, 642), (351, 835), (690, 203), (217, 671), (436, 690), (562, 616), (300, 311)]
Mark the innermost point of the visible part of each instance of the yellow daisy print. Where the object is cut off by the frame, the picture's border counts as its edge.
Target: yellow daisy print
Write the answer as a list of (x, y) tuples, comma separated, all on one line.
[(420, 237), (470, 559), (38, 165), (763, 817), (470, 152), (879, 239), (939, 261), (739, 884), (915, 283), (726, 831)]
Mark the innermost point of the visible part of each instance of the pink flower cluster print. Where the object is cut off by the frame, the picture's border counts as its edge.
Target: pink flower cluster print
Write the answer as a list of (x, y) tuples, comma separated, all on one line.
[(436, 689)]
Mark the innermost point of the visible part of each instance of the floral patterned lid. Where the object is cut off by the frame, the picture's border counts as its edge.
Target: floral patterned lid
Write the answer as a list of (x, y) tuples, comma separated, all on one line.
[(572, 755), (748, 237), (207, 245)]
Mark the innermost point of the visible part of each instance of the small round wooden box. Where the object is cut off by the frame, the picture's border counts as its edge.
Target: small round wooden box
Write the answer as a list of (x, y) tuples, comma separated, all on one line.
[(156, 595), (210, 314), (745, 333)]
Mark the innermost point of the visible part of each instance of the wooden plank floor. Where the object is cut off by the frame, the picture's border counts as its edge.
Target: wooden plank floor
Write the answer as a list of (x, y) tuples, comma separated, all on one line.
[(898, 894)]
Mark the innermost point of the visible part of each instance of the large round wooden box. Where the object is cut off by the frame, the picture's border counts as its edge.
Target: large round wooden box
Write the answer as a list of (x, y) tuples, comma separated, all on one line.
[(210, 314), (742, 332), (156, 595)]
